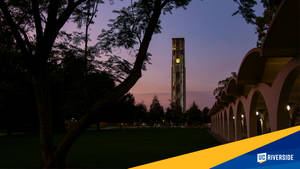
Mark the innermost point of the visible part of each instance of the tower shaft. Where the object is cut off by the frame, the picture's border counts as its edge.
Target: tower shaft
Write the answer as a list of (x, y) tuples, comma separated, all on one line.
[(178, 93)]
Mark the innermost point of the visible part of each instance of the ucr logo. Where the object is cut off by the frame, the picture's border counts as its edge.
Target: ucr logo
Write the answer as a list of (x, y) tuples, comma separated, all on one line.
[(261, 157)]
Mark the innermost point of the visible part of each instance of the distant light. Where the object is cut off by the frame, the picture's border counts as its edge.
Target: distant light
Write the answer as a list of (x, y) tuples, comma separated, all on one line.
[(257, 113), (177, 60), (242, 116), (233, 117), (288, 107)]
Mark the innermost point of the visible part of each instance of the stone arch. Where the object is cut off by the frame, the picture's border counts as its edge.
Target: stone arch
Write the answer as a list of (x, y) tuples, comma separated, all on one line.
[(213, 123), (250, 71), (231, 88), (240, 122), (225, 125), (221, 125), (280, 87), (231, 126), (259, 115), (289, 102), (218, 124)]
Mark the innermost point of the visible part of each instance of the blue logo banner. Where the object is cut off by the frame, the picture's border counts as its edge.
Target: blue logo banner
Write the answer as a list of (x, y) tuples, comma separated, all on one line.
[(281, 154)]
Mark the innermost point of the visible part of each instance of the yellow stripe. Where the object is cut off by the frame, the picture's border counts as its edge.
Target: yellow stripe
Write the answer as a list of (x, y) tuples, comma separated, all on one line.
[(214, 156)]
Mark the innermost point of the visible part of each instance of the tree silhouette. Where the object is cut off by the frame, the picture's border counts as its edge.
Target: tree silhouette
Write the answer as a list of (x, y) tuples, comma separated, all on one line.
[(174, 115), (262, 22), (156, 112), (222, 85), (36, 25), (206, 116), (194, 115), (141, 113)]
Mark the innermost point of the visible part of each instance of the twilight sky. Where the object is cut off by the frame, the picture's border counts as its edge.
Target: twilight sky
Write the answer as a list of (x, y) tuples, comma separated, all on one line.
[(215, 43)]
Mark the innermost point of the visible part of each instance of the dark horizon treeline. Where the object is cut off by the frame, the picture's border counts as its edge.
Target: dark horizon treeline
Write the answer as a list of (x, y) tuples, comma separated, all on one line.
[(18, 112), (71, 96), (131, 113)]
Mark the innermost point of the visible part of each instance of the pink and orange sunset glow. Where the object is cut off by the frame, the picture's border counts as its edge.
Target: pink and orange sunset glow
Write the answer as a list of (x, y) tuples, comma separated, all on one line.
[(215, 44)]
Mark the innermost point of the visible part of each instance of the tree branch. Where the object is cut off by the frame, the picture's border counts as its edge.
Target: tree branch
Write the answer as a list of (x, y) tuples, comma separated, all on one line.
[(54, 24), (122, 88), (133, 27), (136, 73), (50, 28), (26, 39), (93, 13), (67, 13), (9, 19), (37, 20), (52, 12), (164, 3)]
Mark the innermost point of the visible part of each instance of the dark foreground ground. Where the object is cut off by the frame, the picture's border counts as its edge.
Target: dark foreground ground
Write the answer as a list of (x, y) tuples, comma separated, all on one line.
[(109, 149)]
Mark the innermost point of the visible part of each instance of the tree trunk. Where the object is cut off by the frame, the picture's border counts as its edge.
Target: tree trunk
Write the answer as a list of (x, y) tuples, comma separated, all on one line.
[(44, 108), (50, 158), (59, 161), (56, 157)]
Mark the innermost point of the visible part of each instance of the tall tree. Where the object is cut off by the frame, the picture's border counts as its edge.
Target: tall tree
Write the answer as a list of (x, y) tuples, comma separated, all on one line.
[(206, 116), (36, 25), (141, 113), (246, 9), (174, 115), (156, 111), (194, 115)]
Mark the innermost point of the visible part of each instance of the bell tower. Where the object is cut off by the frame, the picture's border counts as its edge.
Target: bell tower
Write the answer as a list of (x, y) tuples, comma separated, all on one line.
[(178, 93)]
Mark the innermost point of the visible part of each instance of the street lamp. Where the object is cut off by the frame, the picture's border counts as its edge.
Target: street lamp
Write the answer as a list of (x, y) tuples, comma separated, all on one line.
[(242, 115), (257, 113), (288, 107)]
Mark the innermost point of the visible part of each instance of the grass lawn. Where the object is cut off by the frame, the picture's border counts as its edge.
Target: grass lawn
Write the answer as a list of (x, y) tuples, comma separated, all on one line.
[(109, 149)]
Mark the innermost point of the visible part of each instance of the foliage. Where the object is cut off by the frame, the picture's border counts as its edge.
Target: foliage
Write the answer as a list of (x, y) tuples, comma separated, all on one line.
[(141, 114), (122, 111), (197, 117), (128, 28), (206, 117), (222, 85), (174, 115), (194, 115), (246, 9), (156, 111)]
